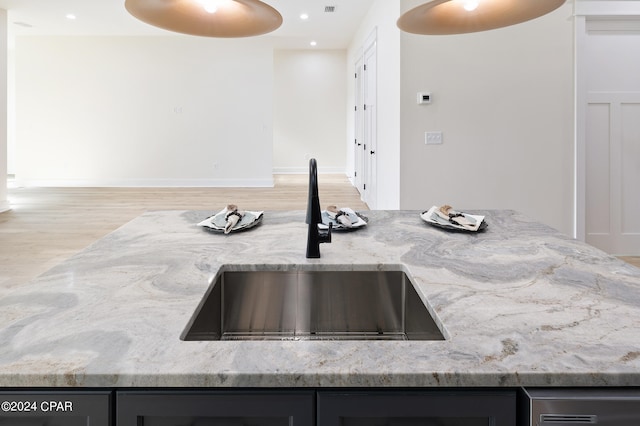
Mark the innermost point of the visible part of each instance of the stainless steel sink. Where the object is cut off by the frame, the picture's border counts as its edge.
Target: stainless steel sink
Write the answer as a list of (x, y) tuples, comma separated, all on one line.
[(312, 305)]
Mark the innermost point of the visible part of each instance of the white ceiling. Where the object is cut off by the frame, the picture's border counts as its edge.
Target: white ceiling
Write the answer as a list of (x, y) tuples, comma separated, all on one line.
[(109, 17)]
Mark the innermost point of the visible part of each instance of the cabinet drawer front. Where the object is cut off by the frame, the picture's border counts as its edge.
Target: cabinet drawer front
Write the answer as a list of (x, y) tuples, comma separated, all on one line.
[(413, 408), (223, 408)]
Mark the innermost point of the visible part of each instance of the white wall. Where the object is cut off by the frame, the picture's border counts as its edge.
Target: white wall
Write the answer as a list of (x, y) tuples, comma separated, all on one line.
[(382, 18), (11, 111), (503, 98), (4, 203), (310, 119), (157, 111), (504, 102)]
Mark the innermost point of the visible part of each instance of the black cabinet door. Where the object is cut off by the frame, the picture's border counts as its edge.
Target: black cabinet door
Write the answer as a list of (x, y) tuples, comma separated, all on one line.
[(439, 407), (55, 408), (215, 408)]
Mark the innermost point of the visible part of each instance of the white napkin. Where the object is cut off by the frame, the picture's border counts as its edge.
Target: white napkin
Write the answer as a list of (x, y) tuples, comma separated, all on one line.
[(218, 221), (434, 215), (356, 221)]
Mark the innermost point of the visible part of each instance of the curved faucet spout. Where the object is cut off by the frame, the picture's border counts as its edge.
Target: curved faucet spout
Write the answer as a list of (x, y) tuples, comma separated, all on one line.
[(314, 216)]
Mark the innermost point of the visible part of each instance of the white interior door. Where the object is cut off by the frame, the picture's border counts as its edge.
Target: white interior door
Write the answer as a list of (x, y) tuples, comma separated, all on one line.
[(370, 125), (613, 172), (358, 143), (609, 134)]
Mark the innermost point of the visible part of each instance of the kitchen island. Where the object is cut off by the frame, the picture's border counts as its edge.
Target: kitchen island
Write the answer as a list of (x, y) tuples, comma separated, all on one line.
[(519, 304)]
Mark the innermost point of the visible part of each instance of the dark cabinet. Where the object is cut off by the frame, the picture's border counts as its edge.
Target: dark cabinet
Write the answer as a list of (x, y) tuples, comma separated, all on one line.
[(260, 407), (439, 407), (215, 408), (53, 407)]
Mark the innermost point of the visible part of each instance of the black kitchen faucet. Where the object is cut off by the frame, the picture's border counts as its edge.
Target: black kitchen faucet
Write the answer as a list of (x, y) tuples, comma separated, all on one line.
[(315, 236)]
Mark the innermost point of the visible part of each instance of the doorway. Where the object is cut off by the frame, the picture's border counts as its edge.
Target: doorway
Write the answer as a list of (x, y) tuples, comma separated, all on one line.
[(608, 133), (358, 151), (366, 121)]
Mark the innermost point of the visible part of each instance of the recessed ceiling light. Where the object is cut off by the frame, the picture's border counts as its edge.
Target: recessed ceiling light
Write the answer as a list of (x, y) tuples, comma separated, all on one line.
[(313, 43), (71, 16), (304, 16)]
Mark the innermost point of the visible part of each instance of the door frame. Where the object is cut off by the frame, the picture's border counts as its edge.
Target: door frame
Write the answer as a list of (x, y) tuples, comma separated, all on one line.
[(370, 97), (358, 124), (365, 123), (585, 10)]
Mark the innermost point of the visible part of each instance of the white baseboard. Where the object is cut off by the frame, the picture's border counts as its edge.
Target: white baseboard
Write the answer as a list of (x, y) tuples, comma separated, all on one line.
[(169, 183), (305, 170), (145, 183), (4, 206)]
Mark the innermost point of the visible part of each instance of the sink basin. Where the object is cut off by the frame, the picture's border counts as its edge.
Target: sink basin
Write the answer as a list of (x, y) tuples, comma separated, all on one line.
[(312, 305)]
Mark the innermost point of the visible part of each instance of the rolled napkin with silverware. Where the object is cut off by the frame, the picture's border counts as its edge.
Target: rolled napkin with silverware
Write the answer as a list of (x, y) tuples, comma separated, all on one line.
[(339, 216), (232, 217), (342, 219), (447, 212)]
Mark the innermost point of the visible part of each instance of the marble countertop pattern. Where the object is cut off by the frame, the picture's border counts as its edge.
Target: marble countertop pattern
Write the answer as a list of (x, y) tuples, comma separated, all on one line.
[(520, 303)]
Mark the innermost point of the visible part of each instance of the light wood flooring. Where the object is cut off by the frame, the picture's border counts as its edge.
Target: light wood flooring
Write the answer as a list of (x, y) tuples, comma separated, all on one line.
[(47, 225), (634, 260)]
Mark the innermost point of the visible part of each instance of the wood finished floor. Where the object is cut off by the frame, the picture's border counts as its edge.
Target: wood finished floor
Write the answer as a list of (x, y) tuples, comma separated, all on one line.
[(634, 260), (47, 225)]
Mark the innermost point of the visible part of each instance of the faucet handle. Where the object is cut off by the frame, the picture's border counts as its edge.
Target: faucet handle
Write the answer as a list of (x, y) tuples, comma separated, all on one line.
[(324, 236)]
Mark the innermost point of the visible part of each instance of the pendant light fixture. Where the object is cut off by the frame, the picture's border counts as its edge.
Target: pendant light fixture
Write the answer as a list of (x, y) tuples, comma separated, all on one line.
[(208, 18), (468, 16)]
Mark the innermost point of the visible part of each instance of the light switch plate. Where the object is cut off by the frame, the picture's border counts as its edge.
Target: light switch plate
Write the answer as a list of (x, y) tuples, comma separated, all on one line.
[(433, 138)]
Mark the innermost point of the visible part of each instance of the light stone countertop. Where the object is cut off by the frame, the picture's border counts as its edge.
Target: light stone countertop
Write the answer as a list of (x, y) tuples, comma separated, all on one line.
[(521, 305)]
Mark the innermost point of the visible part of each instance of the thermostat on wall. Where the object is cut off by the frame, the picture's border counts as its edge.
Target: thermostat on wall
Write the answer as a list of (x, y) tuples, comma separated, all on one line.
[(424, 98)]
